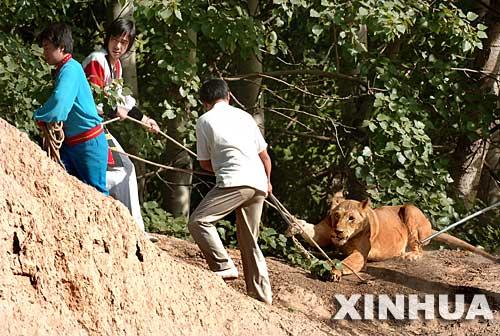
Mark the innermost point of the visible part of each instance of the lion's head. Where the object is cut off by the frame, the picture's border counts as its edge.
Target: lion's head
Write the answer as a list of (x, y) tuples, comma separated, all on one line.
[(347, 219)]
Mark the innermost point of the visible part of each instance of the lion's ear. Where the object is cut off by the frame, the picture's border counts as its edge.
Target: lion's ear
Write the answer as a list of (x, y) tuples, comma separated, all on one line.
[(337, 199), (366, 204)]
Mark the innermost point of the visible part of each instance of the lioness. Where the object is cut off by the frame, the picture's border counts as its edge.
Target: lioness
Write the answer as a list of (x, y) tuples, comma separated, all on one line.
[(377, 234)]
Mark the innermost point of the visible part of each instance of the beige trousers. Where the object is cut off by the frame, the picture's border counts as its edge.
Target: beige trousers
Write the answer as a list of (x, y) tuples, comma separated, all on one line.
[(247, 202)]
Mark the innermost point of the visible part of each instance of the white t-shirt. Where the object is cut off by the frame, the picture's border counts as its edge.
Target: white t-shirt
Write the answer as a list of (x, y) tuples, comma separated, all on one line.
[(231, 140)]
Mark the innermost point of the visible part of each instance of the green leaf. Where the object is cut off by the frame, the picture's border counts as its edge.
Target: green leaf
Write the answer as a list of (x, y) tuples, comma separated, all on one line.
[(178, 14), (400, 174), (170, 114), (406, 142), (466, 46), (471, 16), (482, 35), (165, 14), (313, 13), (367, 151), (401, 190), (362, 11), (317, 30), (391, 147), (401, 157), (383, 117), (182, 92), (401, 28), (419, 124)]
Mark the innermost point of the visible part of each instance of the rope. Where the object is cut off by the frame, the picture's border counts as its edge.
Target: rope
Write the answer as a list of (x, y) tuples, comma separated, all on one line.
[(292, 223), (160, 132), (53, 138), (182, 170), (110, 121), (475, 214)]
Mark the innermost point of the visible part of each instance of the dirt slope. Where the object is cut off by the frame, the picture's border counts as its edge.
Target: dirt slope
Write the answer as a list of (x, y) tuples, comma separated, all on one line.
[(73, 263), (438, 272)]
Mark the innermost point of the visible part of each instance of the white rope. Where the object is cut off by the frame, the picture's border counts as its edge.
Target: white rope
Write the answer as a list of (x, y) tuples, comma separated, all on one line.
[(160, 132), (182, 170), (459, 222)]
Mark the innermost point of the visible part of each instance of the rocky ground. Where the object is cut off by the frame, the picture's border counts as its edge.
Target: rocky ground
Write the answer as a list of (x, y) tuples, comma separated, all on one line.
[(74, 263), (438, 272)]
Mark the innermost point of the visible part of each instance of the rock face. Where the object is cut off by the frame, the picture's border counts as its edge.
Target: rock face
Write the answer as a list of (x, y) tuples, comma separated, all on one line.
[(73, 262)]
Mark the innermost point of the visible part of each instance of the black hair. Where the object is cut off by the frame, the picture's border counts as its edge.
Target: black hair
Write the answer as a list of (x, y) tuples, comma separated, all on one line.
[(213, 90), (119, 27), (59, 34)]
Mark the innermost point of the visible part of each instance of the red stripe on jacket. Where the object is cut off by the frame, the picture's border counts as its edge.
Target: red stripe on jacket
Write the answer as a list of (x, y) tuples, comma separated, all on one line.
[(95, 73), (85, 136)]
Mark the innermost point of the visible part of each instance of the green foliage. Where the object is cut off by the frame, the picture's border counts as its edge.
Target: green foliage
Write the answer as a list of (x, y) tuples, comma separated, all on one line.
[(418, 102), (227, 232), (159, 221), (111, 95), (398, 163), (323, 269), (483, 230), (272, 242), (278, 245), (392, 153), (24, 82), (486, 236)]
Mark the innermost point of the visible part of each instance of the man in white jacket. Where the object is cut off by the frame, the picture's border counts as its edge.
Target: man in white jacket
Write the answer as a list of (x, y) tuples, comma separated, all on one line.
[(230, 144)]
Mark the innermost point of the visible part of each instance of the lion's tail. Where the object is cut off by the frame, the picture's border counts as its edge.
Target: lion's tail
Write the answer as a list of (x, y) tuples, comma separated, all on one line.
[(456, 242)]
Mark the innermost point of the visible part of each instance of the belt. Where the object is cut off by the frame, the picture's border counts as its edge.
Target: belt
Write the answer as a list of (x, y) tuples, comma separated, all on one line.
[(85, 136)]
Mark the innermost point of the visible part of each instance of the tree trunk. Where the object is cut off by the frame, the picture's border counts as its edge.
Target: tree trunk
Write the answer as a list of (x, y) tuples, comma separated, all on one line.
[(469, 159), (354, 112), (177, 190), (489, 190), (176, 193), (247, 92), (468, 172)]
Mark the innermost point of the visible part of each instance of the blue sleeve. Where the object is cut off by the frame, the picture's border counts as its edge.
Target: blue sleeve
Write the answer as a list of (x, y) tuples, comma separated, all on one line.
[(63, 98)]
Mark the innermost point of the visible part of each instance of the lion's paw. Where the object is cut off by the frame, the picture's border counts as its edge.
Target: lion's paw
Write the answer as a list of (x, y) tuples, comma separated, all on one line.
[(296, 228), (412, 256), (336, 275)]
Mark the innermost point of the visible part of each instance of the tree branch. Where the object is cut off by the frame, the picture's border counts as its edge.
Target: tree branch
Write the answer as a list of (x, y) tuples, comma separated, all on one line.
[(274, 74), (290, 118), (306, 135), (488, 74)]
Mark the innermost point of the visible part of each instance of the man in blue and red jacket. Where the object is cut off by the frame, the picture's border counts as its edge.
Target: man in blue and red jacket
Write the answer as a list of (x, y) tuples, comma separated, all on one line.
[(84, 152)]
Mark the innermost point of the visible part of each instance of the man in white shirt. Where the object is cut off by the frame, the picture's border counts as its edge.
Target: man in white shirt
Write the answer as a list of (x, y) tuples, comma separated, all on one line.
[(230, 144)]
